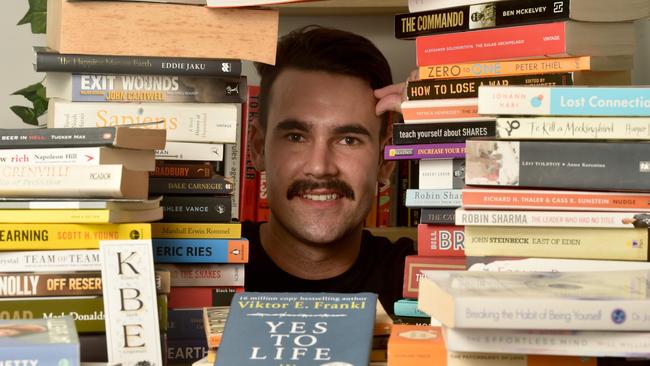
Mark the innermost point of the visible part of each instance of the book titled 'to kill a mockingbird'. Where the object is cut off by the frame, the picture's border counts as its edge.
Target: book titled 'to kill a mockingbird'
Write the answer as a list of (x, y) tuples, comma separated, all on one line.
[(298, 329)]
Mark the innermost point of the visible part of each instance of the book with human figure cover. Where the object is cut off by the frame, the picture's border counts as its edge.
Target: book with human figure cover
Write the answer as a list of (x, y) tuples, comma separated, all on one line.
[(43, 342), (298, 328)]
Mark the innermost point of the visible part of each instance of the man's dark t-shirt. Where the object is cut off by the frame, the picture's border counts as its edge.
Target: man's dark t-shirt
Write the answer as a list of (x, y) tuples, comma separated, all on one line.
[(379, 269)]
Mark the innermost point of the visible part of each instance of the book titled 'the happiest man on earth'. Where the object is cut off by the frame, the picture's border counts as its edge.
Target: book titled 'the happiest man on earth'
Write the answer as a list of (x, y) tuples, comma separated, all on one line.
[(299, 329)]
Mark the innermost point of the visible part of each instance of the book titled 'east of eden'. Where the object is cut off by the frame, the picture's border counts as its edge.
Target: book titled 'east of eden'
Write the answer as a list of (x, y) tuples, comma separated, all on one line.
[(298, 329)]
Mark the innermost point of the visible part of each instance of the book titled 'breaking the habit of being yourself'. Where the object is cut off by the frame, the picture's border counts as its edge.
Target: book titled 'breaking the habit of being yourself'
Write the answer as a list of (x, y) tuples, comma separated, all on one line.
[(298, 329)]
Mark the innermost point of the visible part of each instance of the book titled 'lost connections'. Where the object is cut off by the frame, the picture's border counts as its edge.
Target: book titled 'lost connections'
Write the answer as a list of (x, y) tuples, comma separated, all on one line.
[(298, 329)]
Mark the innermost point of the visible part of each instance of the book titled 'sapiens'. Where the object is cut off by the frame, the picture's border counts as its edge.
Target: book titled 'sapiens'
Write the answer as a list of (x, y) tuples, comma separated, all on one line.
[(42, 342), (298, 328), (188, 122)]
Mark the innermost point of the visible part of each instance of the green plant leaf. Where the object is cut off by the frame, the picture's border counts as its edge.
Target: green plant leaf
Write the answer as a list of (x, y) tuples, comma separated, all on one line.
[(26, 114), (36, 15)]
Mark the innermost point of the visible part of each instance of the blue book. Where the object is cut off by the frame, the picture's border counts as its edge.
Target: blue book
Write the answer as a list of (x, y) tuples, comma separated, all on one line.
[(200, 250), (424, 198), (564, 101), (42, 342), (299, 329), (185, 323)]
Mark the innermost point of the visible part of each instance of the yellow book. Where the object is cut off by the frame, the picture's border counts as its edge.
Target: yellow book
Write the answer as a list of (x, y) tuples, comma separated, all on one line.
[(195, 230), (67, 236), (73, 216), (525, 67)]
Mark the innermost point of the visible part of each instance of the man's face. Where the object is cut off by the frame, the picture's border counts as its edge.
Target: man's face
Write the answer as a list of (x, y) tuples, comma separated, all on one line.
[(321, 153)]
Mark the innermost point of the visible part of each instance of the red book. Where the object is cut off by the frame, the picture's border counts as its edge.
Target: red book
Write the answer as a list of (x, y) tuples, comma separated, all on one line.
[(441, 241), (557, 39), (198, 297), (249, 180), (263, 211), (415, 264)]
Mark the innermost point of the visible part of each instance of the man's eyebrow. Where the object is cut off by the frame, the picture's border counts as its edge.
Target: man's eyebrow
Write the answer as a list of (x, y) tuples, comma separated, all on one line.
[(293, 124), (352, 128)]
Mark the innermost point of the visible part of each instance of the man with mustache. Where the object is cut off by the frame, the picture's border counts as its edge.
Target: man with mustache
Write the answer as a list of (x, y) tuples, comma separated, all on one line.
[(320, 136)]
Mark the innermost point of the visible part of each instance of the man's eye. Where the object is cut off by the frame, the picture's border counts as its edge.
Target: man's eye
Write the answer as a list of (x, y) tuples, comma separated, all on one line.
[(348, 140), (294, 137)]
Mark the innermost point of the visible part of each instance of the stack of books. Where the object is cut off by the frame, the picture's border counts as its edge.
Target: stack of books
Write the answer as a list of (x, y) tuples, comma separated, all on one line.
[(172, 67), (63, 191)]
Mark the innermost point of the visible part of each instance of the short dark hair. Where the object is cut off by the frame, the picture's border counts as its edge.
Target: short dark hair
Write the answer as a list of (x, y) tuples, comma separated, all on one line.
[(316, 48)]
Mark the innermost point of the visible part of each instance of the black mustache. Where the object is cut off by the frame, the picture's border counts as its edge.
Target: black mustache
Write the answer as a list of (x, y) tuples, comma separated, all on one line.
[(299, 187)]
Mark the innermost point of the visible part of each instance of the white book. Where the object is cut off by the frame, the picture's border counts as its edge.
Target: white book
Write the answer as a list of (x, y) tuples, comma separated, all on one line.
[(505, 264), (441, 174), (537, 342), (603, 300), (131, 159), (200, 151), (198, 122), (44, 203), (99, 181), (573, 128), (530, 218), (130, 305), (232, 166), (50, 261), (442, 110)]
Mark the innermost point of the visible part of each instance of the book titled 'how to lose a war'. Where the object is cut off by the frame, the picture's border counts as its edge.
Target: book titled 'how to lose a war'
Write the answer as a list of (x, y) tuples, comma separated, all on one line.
[(298, 329)]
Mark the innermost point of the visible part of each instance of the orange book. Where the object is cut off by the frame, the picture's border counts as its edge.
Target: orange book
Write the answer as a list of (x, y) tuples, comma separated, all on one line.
[(441, 110), (423, 345)]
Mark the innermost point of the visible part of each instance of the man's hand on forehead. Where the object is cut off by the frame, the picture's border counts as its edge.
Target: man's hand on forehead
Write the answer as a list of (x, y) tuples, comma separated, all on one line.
[(391, 96)]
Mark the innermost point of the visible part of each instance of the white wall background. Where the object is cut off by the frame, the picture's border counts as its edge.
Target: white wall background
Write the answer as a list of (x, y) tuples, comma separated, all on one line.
[(16, 70)]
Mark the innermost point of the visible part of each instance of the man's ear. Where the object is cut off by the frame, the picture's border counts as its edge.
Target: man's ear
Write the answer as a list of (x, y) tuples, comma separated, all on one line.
[(256, 141)]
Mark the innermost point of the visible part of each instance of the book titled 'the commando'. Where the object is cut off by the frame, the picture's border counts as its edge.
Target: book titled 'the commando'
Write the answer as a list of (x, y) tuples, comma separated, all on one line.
[(299, 329)]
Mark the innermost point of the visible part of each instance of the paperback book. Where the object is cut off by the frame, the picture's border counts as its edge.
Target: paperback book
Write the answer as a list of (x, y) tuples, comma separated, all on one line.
[(300, 328), (43, 342)]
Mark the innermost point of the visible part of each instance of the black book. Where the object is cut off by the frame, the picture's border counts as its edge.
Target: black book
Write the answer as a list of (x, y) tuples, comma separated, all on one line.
[(217, 185), (196, 208), (436, 132)]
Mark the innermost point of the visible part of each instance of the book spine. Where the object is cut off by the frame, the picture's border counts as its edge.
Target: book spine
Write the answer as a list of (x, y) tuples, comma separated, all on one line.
[(415, 264), (250, 179), (232, 162), (129, 299), (58, 346), (442, 174), (489, 44), (96, 181), (200, 250), (504, 68), (573, 128), (194, 151), (112, 64), (67, 236), (78, 87), (425, 151), (551, 218), (550, 242), (185, 324), (199, 297), (507, 264), (433, 133), (495, 14), (549, 164), (211, 274), (50, 284), (173, 169), (408, 308), (196, 208), (49, 137), (49, 261), (72, 216), (217, 185), (195, 230), (554, 200), (214, 322), (185, 122), (438, 216), (441, 241), (428, 198), (263, 211), (185, 351), (595, 344), (575, 101), (421, 113), (429, 89), (89, 156)]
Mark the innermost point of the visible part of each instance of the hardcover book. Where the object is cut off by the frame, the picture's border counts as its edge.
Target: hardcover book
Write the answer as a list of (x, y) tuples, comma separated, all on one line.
[(498, 14), (50, 60), (602, 300), (78, 136), (299, 328), (565, 101), (577, 65), (72, 27), (557, 39), (43, 342), (88, 87), (605, 166), (185, 122)]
